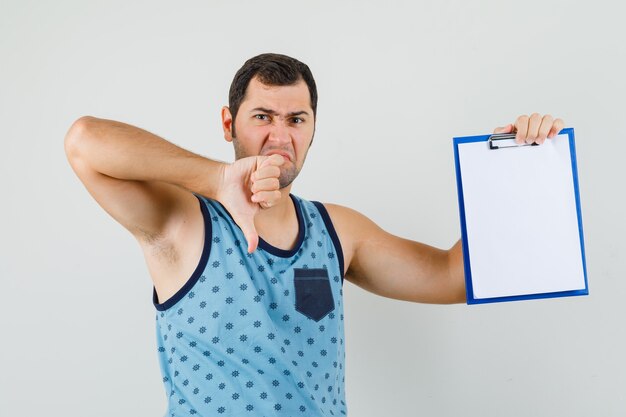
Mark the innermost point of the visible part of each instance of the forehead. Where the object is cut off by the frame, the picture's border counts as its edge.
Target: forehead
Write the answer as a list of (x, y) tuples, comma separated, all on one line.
[(284, 98)]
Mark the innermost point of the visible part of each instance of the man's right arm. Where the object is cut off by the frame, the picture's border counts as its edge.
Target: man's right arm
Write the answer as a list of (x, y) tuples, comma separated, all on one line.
[(143, 181)]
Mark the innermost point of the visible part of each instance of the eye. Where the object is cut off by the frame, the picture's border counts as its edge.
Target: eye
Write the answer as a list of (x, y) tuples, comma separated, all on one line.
[(261, 116), (297, 120)]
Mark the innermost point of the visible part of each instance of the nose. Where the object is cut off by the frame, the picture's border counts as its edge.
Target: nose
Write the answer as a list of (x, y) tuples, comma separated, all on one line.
[(279, 132)]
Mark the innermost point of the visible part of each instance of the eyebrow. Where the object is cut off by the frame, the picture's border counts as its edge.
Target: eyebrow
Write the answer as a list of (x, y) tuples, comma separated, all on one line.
[(274, 113)]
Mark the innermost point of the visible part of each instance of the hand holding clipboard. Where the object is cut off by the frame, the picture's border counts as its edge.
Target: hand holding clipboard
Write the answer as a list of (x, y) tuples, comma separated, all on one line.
[(532, 129)]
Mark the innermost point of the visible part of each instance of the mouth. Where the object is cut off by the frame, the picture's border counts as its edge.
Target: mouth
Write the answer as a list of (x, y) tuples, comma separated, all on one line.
[(285, 155)]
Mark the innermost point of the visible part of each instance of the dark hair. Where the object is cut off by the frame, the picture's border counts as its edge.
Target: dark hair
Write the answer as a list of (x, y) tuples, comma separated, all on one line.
[(273, 70)]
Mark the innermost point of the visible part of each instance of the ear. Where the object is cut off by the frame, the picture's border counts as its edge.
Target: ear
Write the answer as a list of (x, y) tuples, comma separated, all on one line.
[(227, 124)]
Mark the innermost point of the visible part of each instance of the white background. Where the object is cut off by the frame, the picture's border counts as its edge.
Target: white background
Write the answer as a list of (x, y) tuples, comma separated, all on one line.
[(397, 80)]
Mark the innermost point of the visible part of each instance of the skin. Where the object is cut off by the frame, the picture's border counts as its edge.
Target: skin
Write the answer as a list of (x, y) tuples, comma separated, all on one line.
[(145, 183)]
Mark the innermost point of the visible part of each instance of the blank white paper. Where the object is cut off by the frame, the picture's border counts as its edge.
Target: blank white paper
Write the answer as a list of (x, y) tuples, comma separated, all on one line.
[(521, 219)]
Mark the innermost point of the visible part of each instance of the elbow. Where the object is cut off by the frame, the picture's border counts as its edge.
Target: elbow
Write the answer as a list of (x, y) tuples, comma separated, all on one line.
[(76, 134)]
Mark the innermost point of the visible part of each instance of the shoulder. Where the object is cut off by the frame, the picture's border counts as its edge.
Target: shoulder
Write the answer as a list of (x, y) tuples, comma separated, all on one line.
[(352, 228), (350, 220)]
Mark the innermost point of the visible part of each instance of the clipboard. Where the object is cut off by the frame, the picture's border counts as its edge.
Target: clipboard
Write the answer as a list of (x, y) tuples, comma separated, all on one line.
[(521, 221)]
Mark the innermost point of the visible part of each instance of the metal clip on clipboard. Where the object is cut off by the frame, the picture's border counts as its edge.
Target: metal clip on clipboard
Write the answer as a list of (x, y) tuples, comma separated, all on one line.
[(505, 140)]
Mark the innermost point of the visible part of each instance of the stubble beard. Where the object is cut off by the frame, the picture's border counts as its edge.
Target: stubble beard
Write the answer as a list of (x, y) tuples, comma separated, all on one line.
[(287, 176)]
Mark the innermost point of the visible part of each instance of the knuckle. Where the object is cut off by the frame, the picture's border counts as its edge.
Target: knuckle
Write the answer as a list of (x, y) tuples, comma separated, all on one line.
[(265, 203)]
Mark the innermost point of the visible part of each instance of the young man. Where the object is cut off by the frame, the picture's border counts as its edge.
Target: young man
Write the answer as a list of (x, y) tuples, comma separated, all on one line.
[(248, 277)]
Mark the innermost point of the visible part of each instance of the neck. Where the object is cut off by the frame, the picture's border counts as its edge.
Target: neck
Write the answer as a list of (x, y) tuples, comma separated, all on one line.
[(278, 225), (283, 209)]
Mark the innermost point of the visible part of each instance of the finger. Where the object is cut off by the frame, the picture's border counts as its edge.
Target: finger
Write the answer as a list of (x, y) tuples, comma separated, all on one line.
[(266, 184), (265, 161), (271, 171), (249, 231), (504, 129), (521, 124), (557, 126), (266, 199), (544, 128), (272, 160), (533, 127)]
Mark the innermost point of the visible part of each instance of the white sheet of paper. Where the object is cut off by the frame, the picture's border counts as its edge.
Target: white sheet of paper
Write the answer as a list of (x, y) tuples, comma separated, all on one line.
[(521, 219)]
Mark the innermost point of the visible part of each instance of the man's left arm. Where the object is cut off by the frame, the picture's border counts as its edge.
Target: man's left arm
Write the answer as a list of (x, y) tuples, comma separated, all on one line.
[(394, 267), (399, 268)]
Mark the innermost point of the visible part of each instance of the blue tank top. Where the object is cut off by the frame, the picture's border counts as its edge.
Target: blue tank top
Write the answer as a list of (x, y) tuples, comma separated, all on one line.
[(257, 334)]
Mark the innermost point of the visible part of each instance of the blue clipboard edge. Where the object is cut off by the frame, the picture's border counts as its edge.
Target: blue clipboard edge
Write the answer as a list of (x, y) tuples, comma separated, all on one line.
[(469, 290)]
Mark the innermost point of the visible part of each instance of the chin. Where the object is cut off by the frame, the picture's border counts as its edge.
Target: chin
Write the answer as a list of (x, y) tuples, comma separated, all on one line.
[(286, 178)]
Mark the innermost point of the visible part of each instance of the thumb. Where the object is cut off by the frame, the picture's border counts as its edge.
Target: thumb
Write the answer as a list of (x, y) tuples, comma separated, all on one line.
[(249, 231), (504, 129)]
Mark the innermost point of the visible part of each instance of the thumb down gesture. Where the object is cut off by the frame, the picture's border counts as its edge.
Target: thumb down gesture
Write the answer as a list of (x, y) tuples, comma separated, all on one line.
[(247, 186)]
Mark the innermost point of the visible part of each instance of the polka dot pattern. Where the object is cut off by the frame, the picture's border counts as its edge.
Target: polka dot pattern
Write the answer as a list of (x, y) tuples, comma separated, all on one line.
[(241, 338)]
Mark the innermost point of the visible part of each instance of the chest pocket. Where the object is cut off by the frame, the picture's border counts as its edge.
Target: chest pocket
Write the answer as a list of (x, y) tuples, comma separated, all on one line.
[(314, 297)]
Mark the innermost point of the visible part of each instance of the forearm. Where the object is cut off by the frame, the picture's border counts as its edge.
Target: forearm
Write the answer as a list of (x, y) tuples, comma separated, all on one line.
[(127, 152)]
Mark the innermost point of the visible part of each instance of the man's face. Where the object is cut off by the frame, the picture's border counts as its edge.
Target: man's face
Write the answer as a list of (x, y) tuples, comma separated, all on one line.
[(273, 119)]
